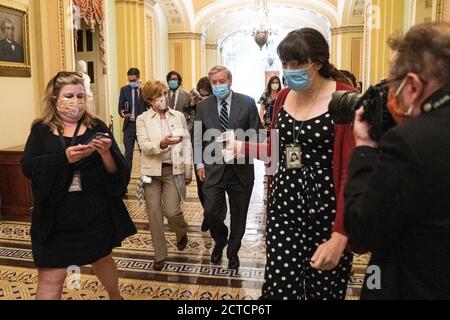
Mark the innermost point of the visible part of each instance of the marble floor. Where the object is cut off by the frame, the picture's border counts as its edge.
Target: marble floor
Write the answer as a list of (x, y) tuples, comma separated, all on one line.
[(188, 275)]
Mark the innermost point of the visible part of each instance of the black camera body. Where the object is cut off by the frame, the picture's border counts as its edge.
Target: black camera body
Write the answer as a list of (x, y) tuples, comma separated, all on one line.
[(344, 104)]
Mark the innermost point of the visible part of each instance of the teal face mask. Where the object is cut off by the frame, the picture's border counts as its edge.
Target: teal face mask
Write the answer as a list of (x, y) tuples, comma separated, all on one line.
[(134, 84), (297, 79), (173, 84), (221, 91)]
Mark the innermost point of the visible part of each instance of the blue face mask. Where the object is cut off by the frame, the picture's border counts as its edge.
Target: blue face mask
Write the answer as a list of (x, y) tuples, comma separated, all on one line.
[(134, 84), (173, 84), (297, 79), (221, 91)]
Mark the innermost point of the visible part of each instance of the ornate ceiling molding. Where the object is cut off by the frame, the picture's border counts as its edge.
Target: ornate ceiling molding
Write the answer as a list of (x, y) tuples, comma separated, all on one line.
[(211, 46), (347, 29), (185, 35), (174, 15)]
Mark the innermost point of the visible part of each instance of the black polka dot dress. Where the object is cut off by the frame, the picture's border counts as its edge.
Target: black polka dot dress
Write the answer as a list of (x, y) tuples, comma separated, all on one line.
[(301, 212)]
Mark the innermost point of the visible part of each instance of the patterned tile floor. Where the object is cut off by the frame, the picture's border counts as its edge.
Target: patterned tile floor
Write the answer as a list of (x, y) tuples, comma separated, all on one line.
[(188, 275)]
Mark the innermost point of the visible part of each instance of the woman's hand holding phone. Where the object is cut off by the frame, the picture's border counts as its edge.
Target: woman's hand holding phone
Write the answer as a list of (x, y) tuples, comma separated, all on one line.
[(101, 142), (76, 153), (169, 140)]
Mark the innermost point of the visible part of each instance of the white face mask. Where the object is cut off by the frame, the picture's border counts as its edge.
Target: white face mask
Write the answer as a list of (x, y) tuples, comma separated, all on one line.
[(161, 104), (275, 86)]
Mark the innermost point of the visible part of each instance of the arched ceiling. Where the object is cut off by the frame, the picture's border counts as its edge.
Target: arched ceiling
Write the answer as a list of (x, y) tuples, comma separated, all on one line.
[(352, 12), (228, 16), (216, 18)]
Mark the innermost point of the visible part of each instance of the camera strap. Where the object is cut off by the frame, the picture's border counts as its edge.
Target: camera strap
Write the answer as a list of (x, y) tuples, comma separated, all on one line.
[(439, 99)]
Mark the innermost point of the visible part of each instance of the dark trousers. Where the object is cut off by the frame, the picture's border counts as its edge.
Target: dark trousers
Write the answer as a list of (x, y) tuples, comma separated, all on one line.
[(239, 196), (129, 139), (200, 190)]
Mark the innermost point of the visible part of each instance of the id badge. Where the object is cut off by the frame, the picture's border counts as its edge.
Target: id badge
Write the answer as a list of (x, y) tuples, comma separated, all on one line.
[(294, 157), (76, 182)]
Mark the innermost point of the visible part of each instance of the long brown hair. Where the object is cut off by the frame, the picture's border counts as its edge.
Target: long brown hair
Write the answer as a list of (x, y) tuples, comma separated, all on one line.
[(50, 116), (305, 45), (269, 85)]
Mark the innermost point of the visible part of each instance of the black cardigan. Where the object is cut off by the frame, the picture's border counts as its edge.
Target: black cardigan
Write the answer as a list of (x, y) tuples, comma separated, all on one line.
[(51, 175)]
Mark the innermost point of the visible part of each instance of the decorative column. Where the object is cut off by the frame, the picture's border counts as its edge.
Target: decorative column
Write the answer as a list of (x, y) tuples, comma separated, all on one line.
[(150, 38), (54, 39), (382, 20), (347, 48), (211, 56), (447, 11), (443, 10), (186, 56)]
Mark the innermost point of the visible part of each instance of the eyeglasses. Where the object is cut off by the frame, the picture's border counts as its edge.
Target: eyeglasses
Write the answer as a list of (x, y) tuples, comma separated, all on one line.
[(388, 82), (66, 74)]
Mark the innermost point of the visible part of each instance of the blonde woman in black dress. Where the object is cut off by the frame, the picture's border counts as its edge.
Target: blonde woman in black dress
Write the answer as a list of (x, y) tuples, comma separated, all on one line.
[(78, 178)]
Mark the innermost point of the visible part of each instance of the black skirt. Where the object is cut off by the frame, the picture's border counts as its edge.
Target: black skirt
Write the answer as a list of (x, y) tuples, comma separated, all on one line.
[(82, 231)]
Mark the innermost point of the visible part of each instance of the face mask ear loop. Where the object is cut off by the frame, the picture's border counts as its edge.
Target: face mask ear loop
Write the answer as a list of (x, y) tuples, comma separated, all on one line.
[(400, 88), (397, 93)]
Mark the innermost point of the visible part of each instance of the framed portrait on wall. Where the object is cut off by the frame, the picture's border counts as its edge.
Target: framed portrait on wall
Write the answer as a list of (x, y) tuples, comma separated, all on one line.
[(14, 40)]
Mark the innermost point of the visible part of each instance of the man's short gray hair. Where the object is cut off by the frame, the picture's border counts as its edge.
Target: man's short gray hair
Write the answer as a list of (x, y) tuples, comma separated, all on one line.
[(4, 22), (424, 50), (218, 69)]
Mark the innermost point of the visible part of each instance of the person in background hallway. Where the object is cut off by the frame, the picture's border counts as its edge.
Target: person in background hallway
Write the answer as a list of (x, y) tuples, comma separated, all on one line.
[(166, 157), (267, 100), (204, 89), (10, 50), (226, 110), (78, 215), (178, 97), (131, 106), (397, 196), (306, 240)]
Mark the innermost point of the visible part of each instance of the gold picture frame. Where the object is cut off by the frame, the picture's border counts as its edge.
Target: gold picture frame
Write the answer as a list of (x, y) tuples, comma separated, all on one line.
[(14, 40)]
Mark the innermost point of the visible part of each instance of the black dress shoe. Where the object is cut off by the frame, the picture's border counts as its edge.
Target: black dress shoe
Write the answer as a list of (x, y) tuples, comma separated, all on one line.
[(181, 245), (233, 262), (216, 255), (159, 265), (205, 226)]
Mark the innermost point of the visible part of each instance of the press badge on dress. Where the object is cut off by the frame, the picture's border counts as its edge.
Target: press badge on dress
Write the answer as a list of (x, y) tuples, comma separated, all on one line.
[(76, 182), (294, 157)]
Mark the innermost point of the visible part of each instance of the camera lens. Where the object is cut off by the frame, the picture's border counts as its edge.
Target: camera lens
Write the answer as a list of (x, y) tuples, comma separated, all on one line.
[(343, 105)]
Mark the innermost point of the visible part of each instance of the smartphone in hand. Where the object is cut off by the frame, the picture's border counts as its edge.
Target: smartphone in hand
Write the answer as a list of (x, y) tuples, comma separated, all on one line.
[(98, 135), (197, 94)]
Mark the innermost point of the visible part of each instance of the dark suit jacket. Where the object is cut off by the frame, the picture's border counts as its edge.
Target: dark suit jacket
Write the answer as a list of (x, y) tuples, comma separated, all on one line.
[(184, 98), (398, 206), (243, 115), (126, 96), (7, 54)]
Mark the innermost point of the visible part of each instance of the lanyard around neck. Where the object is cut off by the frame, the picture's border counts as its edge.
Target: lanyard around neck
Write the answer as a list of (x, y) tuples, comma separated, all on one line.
[(72, 143)]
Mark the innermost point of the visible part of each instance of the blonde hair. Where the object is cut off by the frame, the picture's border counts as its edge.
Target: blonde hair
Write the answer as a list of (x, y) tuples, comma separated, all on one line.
[(153, 89), (50, 116), (218, 69)]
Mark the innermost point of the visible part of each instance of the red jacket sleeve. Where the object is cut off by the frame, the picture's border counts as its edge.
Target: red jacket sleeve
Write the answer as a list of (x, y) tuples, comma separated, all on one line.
[(343, 148), (262, 151), (344, 143)]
